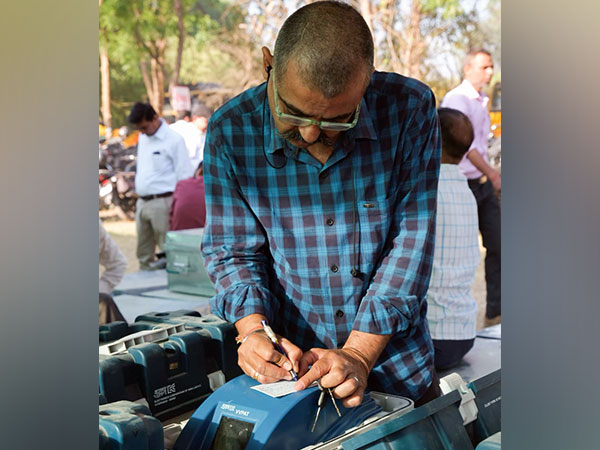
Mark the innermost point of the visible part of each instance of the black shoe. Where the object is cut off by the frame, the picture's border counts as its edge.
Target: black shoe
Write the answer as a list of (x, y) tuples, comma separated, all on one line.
[(158, 264)]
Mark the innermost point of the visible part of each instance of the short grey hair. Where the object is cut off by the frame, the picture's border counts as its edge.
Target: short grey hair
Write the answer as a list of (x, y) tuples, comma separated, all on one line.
[(330, 41), (472, 54)]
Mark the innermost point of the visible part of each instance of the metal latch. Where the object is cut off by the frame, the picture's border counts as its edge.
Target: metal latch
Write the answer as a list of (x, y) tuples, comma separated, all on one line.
[(468, 408)]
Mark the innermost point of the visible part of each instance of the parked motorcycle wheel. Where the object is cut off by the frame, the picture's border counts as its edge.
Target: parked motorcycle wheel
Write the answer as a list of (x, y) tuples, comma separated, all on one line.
[(125, 208)]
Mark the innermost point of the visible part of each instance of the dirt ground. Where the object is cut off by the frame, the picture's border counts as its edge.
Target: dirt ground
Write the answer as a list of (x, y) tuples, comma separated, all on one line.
[(124, 234)]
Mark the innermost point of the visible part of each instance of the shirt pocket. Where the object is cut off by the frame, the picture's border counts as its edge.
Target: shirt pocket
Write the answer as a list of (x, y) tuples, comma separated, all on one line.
[(159, 160), (372, 229)]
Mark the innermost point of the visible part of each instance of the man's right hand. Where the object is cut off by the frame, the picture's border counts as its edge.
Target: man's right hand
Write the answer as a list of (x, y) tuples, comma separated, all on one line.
[(257, 356), (496, 179)]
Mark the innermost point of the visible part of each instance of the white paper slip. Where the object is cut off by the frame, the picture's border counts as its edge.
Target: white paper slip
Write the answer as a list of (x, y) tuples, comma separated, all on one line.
[(277, 389)]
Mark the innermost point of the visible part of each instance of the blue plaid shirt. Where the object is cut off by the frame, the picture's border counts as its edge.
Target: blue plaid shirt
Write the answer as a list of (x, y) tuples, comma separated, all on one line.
[(283, 241)]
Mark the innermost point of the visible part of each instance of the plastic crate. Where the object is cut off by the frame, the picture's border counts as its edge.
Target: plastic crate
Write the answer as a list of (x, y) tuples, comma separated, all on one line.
[(185, 266), (438, 425), (494, 442), (128, 426), (488, 399), (222, 348), (171, 376)]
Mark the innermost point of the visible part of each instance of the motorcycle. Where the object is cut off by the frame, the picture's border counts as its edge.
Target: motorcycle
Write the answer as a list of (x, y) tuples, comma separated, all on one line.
[(116, 178)]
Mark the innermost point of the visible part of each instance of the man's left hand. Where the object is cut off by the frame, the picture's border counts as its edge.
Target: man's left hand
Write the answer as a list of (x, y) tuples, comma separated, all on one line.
[(343, 371)]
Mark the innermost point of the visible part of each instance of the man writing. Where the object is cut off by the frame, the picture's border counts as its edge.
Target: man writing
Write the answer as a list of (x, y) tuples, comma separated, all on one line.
[(320, 194), (469, 98)]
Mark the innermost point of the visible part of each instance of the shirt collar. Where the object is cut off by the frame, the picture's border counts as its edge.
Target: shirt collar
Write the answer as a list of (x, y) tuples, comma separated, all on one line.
[(470, 91), (162, 130)]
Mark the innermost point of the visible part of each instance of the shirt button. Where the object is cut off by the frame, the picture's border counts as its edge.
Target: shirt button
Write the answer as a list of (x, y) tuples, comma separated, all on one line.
[(339, 313), (330, 222), (334, 268), (323, 175)]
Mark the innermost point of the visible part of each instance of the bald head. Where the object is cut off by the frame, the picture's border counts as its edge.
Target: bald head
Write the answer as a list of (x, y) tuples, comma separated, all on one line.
[(329, 42)]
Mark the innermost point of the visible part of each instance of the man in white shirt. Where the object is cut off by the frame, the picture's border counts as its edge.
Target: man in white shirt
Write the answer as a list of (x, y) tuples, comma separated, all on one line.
[(162, 160), (191, 135), (451, 308), (470, 99)]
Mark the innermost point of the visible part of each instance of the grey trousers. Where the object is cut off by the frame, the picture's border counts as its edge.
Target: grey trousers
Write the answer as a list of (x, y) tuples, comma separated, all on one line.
[(152, 223)]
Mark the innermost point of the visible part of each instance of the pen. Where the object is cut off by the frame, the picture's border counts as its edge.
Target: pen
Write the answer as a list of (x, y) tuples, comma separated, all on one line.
[(277, 345)]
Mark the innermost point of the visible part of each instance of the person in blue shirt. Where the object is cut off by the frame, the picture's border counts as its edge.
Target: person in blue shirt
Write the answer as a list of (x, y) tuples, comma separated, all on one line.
[(320, 192)]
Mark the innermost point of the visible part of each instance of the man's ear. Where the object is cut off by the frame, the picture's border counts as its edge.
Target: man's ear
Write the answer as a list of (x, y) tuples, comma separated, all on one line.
[(267, 61)]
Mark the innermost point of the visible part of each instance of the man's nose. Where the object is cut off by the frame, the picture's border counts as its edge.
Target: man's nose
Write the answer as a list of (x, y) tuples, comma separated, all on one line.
[(310, 133)]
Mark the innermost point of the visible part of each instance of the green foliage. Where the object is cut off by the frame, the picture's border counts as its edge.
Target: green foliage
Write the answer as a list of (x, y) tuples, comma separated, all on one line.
[(445, 9), (223, 35), (130, 31)]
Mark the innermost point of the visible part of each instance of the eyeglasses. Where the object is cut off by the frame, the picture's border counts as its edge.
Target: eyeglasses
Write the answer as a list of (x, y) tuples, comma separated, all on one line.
[(305, 121)]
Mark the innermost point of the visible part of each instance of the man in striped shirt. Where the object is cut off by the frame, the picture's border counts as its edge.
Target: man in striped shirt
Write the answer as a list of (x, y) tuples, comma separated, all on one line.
[(320, 195), (451, 308)]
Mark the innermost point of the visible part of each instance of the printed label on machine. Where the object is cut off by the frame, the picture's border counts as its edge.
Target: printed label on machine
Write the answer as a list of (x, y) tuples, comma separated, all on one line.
[(169, 393)]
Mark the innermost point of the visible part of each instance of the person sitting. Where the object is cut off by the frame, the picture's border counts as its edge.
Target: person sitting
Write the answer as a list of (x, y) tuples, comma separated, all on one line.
[(188, 209), (451, 308), (114, 262)]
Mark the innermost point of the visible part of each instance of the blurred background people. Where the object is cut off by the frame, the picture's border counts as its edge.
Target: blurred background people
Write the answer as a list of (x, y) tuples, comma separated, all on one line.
[(483, 180), (451, 308), (162, 160), (200, 115), (188, 209), (194, 142), (112, 259)]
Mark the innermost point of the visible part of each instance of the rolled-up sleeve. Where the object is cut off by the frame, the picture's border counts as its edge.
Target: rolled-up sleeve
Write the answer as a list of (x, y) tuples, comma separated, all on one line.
[(395, 298), (234, 242)]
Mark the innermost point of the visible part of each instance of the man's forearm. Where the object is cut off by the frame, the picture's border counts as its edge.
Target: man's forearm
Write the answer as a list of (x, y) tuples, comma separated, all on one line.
[(248, 323), (366, 346), (477, 160)]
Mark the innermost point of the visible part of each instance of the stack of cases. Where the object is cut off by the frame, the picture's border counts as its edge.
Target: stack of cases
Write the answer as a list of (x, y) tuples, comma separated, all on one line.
[(171, 377)]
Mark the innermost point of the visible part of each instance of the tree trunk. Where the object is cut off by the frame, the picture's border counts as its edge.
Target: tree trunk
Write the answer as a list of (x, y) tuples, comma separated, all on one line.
[(413, 50), (147, 81), (181, 27), (105, 79), (365, 10), (158, 86)]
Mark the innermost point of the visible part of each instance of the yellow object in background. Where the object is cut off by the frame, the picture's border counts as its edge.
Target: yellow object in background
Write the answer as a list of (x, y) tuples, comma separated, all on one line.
[(496, 110)]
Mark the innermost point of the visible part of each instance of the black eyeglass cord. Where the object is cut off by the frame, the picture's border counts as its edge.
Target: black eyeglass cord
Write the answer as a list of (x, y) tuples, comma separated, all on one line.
[(264, 122), (355, 272)]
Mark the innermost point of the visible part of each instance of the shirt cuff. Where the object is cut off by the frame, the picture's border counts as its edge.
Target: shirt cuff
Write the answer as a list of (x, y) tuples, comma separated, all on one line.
[(241, 301), (382, 315)]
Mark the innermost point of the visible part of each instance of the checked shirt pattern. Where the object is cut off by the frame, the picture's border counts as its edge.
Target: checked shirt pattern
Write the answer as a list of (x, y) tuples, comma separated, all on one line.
[(282, 241)]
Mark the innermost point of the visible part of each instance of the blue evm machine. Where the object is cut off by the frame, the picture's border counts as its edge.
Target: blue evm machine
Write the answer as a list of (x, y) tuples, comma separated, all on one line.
[(237, 417)]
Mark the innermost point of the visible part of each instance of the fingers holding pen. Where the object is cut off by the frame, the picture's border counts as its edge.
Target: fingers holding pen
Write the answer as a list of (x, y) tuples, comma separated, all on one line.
[(259, 359), (294, 354)]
